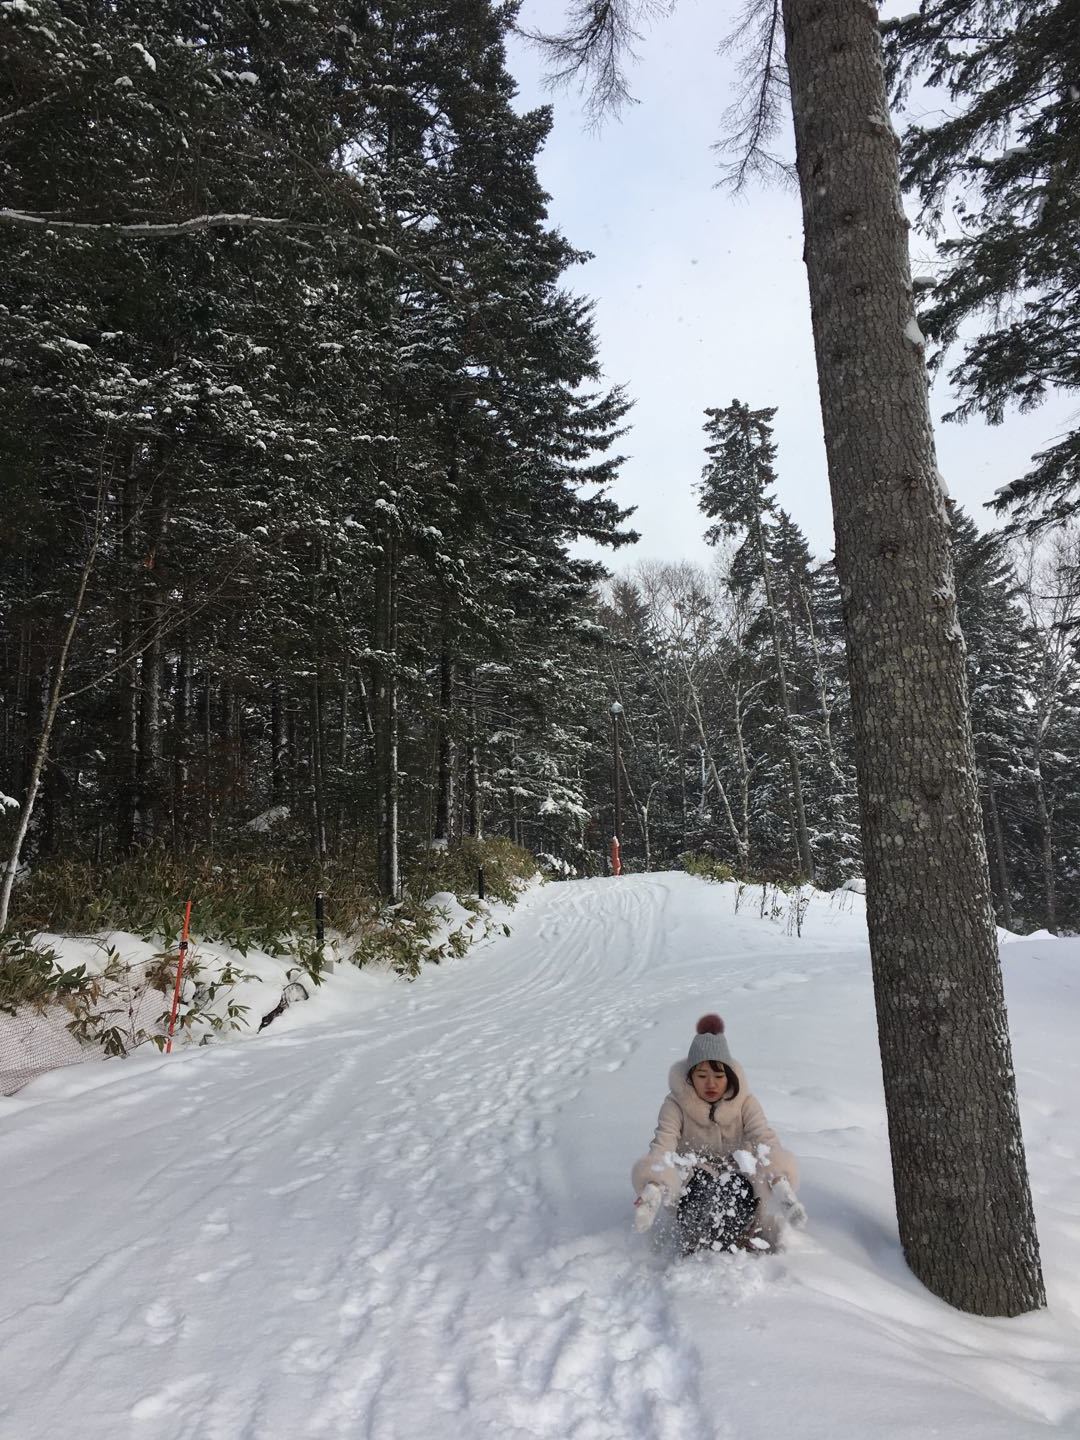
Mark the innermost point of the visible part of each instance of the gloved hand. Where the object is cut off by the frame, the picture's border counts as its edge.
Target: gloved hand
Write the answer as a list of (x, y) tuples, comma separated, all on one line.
[(789, 1204), (646, 1206)]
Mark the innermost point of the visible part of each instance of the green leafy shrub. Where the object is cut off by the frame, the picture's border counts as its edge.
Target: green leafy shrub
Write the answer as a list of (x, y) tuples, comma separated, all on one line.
[(455, 868), (251, 899), (29, 976), (243, 900), (706, 867)]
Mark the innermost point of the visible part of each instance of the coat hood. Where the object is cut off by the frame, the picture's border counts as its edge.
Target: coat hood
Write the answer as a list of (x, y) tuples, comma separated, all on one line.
[(691, 1103)]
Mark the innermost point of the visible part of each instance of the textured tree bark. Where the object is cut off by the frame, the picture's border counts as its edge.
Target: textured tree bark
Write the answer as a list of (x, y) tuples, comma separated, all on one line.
[(962, 1195)]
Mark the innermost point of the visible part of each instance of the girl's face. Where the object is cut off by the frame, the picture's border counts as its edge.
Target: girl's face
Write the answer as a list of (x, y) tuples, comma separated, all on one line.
[(709, 1084)]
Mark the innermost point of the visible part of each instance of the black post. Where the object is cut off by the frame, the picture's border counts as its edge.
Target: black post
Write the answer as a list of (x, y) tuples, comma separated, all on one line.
[(480, 883), (320, 918)]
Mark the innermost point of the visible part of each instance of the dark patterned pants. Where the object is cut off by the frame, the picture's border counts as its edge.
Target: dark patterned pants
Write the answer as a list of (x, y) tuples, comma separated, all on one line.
[(715, 1210)]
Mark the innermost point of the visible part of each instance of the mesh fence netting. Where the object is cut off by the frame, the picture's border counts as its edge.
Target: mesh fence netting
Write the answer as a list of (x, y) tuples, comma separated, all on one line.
[(122, 1012)]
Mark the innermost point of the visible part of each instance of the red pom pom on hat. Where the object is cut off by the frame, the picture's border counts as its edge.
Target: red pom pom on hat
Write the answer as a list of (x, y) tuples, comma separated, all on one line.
[(710, 1025)]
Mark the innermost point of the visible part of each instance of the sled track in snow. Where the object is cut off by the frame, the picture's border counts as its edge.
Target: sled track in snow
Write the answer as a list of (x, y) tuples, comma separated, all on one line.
[(383, 1185), (416, 1221)]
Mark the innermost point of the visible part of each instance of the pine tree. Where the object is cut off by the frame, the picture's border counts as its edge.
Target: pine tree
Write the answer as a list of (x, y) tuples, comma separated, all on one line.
[(736, 492), (1051, 599), (812, 633), (1004, 161), (1001, 666), (354, 384)]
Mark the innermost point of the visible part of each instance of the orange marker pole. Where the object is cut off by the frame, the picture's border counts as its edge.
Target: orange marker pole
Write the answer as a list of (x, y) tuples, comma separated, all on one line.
[(179, 975), (616, 859)]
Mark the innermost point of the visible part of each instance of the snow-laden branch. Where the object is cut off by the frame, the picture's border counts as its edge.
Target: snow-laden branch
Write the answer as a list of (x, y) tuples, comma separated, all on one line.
[(146, 229)]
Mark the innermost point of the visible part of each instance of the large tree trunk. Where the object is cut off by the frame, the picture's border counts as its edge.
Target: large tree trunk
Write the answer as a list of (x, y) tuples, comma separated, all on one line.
[(962, 1194)]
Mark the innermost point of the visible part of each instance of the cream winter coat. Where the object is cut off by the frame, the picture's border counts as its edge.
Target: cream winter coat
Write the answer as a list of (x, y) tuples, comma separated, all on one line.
[(684, 1128)]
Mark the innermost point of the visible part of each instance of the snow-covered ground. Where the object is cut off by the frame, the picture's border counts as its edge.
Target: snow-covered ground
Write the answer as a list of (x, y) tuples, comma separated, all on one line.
[(405, 1210)]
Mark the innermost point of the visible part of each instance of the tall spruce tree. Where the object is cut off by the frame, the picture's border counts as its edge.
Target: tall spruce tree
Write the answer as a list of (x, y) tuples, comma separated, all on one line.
[(736, 492), (1002, 163), (1001, 667), (298, 302)]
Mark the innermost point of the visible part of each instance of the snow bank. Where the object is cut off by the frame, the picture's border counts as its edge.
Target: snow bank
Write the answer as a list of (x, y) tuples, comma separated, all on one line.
[(226, 994)]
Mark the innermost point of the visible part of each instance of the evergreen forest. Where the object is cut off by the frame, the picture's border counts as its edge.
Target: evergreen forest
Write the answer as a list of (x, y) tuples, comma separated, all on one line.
[(307, 450)]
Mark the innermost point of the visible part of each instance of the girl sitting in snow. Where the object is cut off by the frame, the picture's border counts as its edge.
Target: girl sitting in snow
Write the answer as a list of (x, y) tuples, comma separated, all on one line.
[(715, 1156)]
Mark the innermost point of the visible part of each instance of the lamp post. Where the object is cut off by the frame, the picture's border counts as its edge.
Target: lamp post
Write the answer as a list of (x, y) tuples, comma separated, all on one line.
[(616, 858)]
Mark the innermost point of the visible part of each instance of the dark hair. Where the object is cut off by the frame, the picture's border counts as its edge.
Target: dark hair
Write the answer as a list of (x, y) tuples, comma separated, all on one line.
[(719, 1068)]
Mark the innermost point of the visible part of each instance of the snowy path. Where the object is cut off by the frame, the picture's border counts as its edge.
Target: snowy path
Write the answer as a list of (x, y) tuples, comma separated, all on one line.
[(420, 1218)]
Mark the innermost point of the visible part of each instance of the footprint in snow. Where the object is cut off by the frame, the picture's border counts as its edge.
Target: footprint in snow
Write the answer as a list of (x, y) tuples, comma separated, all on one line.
[(216, 1223), (170, 1398), (292, 1186), (308, 1357), (225, 1269), (163, 1322)]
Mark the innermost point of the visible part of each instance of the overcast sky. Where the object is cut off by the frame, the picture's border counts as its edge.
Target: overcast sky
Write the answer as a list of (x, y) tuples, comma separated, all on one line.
[(702, 298)]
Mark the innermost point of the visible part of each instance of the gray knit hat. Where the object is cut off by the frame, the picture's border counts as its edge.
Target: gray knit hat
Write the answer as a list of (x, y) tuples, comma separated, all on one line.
[(709, 1043)]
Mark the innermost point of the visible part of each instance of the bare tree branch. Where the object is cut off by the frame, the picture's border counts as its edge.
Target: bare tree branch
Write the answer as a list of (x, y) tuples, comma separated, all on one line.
[(761, 99), (595, 47)]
